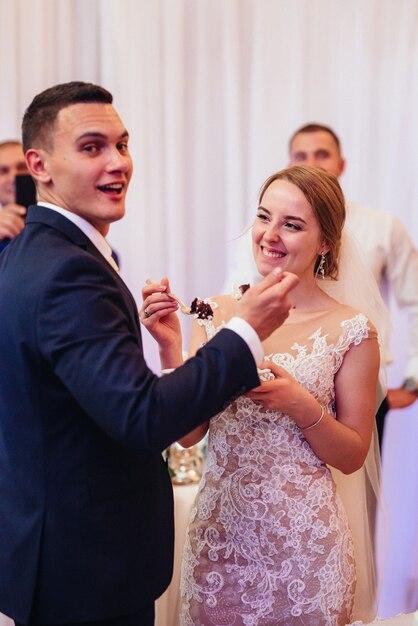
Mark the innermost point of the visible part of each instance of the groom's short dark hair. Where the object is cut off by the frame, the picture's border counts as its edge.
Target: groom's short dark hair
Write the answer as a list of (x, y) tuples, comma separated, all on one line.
[(40, 116)]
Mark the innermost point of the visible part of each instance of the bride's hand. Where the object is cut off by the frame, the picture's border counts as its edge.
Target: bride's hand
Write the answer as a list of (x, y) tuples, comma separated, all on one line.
[(273, 393), (158, 315), (283, 393)]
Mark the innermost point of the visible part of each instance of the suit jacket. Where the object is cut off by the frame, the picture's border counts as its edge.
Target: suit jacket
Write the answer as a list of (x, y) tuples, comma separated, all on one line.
[(4, 243), (86, 512)]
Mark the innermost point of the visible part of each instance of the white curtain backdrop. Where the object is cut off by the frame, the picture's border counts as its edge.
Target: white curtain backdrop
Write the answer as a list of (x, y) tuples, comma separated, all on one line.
[(210, 91)]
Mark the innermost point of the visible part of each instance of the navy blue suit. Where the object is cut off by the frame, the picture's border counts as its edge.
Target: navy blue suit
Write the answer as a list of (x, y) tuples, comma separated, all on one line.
[(86, 512)]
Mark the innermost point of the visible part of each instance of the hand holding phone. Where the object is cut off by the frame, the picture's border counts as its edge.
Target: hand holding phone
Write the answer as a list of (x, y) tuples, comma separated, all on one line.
[(25, 190)]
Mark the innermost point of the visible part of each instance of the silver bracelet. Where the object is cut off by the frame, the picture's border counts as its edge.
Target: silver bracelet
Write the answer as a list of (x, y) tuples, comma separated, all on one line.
[(317, 421)]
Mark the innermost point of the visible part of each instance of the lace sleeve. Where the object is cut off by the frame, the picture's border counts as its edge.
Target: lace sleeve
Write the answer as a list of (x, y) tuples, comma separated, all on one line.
[(356, 330)]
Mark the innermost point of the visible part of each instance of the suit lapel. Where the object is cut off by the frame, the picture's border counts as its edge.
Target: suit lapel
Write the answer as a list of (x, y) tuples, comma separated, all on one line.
[(43, 215)]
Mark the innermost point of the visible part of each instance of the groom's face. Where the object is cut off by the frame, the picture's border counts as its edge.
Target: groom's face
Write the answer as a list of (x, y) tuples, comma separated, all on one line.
[(86, 167)]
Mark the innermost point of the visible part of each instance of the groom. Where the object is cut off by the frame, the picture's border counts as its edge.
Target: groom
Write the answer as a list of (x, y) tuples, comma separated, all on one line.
[(86, 512)]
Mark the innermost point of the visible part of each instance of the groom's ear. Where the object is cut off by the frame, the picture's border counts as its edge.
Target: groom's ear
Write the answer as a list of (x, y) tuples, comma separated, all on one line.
[(37, 163)]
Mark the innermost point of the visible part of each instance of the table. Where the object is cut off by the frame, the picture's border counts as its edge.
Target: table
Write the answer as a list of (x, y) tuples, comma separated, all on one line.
[(167, 607)]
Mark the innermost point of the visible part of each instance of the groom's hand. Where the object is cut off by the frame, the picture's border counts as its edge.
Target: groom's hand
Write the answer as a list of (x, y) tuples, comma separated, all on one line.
[(266, 305), (11, 220)]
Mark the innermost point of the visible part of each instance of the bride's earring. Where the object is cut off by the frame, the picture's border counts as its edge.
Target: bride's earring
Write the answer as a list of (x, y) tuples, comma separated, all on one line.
[(321, 266)]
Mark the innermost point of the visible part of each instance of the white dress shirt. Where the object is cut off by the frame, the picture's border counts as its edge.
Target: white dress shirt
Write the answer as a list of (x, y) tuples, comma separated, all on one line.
[(393, 259), (88, 229)]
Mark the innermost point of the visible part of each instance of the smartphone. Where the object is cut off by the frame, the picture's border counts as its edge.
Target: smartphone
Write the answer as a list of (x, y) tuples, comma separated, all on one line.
[(25, 190)]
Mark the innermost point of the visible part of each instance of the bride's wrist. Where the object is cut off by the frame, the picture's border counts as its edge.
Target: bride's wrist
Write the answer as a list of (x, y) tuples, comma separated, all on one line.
[(313, 417)]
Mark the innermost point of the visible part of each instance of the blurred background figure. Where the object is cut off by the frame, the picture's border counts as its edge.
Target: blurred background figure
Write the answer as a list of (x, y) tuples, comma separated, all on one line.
[(12, 164)]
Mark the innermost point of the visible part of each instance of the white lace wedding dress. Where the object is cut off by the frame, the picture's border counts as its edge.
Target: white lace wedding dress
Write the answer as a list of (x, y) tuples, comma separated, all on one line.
[(268, 541)]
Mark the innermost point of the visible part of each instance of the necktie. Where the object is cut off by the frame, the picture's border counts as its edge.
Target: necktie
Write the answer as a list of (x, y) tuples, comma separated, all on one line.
[(113, 263)]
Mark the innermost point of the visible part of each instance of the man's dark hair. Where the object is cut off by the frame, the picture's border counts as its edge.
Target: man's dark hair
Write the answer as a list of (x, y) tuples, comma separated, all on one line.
[(41, 114), (314, 128)]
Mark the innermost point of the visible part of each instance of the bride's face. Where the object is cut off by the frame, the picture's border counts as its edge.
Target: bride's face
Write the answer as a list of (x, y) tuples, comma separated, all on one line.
[(286, 232)]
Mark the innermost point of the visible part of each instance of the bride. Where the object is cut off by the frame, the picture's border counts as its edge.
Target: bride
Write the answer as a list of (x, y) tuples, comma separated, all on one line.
[(269, 540)]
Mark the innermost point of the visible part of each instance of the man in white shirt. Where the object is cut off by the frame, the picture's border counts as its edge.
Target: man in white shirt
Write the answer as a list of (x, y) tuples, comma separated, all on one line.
[(12, 163), (386, 245)]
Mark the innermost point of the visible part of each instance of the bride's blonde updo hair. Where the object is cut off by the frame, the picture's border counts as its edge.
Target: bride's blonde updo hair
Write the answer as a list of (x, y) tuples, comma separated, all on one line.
[(323, 192)]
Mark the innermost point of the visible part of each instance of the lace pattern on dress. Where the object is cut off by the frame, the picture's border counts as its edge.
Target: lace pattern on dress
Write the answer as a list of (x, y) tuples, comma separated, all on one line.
[(268, 540)]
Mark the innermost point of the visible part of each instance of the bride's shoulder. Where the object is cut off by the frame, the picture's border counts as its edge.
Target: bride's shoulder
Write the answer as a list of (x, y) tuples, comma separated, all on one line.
[(352, 317)]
